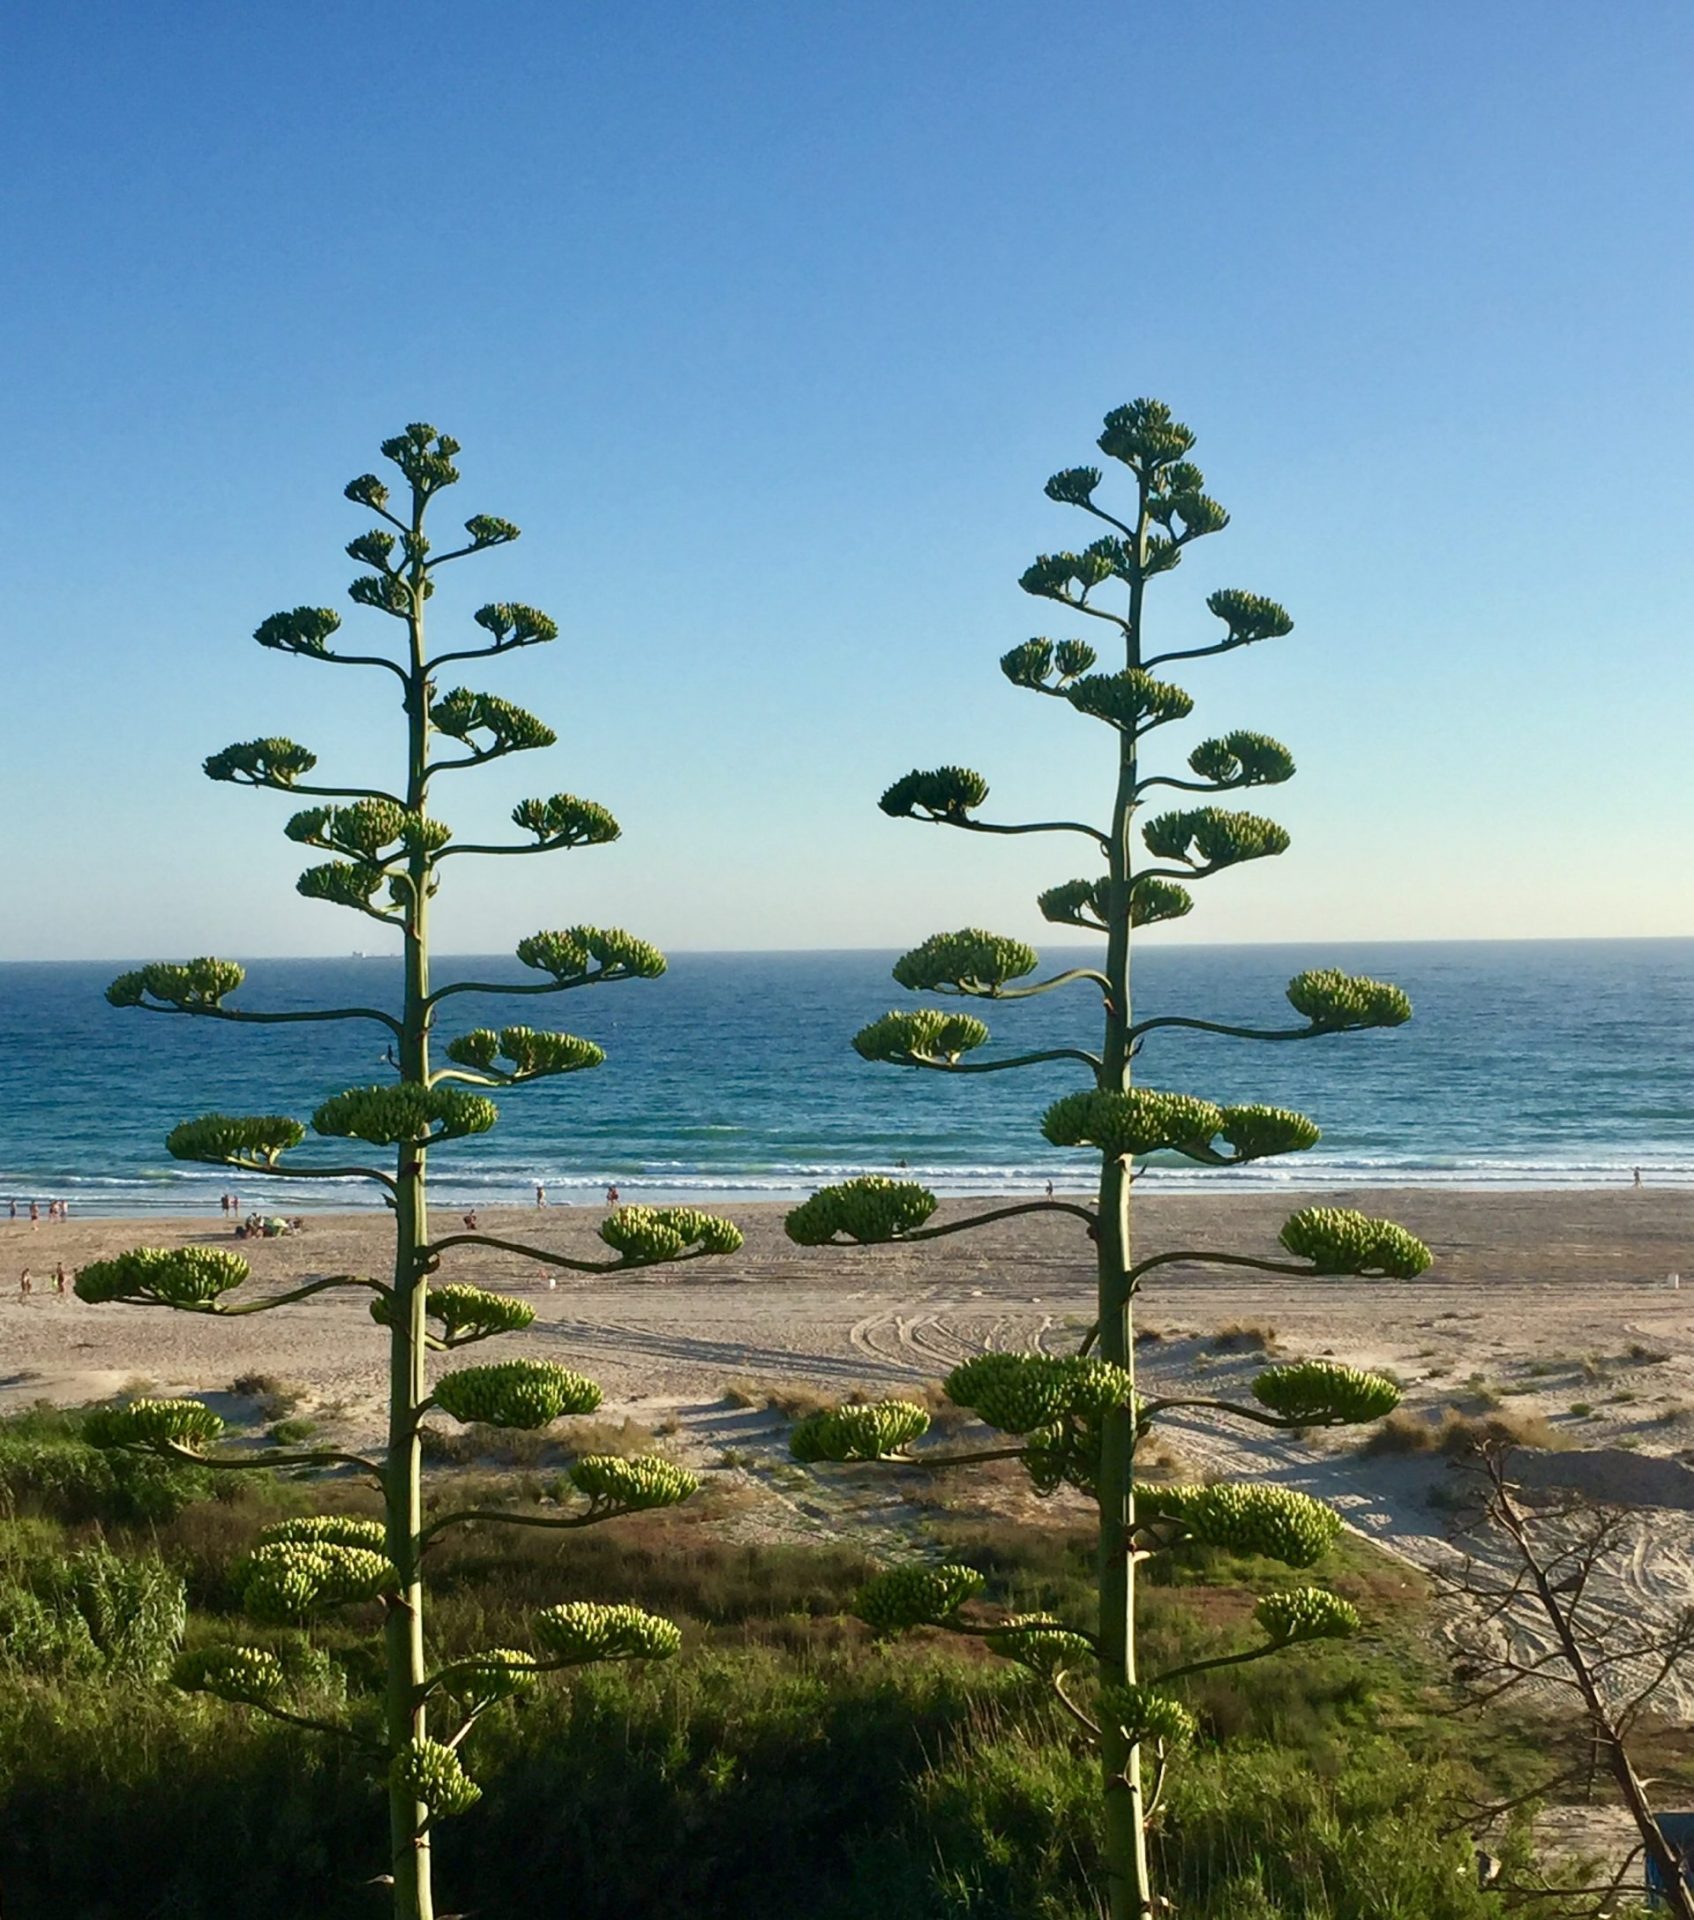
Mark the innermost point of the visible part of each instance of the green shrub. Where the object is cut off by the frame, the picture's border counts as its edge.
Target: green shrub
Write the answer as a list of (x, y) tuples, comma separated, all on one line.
[(46, 1467), (97, 1612)]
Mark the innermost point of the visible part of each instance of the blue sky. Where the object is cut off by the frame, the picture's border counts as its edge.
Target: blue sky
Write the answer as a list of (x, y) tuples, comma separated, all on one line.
[(767, 322)]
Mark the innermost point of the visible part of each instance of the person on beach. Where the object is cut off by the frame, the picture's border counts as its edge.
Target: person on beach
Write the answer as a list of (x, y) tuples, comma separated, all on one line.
[(60, 1278), (24, 1284), (14, 1209), (611, 1196), (1638, 1176), (35, 1213), (470, 1220), (540, 1194)]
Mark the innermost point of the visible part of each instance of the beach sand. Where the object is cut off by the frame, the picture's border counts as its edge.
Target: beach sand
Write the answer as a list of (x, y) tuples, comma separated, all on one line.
[(1520, 1281), (1538, 1304)]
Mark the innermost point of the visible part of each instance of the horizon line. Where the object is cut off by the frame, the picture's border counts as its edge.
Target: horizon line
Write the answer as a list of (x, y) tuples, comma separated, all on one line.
[(1187, 946)]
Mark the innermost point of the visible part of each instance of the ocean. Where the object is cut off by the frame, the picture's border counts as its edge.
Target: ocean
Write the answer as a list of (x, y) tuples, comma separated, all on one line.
[(1527, 1064)]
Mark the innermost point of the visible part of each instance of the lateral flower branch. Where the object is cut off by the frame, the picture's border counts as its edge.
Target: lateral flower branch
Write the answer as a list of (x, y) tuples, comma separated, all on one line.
[(387, 849), (1078, 1420)]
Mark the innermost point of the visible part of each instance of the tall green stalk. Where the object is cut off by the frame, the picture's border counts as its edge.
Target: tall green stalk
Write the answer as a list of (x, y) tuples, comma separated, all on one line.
[(390, 848), (1078, 1420)]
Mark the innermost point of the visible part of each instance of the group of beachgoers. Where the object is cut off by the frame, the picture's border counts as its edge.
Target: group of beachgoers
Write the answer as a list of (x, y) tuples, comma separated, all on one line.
[(258, 1226), (26, 1281), (56, 1210)]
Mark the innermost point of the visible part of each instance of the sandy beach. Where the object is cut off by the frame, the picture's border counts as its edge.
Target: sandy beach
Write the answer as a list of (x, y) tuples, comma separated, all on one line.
[(1547, 1307), (1525, 1288)]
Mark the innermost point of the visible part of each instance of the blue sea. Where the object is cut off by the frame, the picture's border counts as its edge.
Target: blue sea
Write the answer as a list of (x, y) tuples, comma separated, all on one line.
[(1527, 1064)]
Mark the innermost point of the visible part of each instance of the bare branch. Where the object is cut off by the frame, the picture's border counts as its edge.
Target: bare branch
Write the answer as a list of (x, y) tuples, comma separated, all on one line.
[(1089, 1060), (248, 1018), (1033, 826)]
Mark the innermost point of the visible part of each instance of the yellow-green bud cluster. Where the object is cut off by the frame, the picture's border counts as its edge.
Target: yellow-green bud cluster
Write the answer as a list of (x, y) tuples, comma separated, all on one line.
[(1306, 1613), (970, 961), (532, 1055), (1178, 496), (1244, 1518), (1037, 664), (272, 762), (366, 827), (1338, 1240), (565, 821), (1075, 903), (904, 1039), (943, 793), (1249, 616), (385, 591), (1152, 900), (1339, 1002), (361, 830), (525, 1394), (1257, 1132), (916, 1596), (1144, 436), (466, 1313), (223, 1139), (584, 953), (584, 1630), (1243, 759), (366, 491), (432, 1773), (1323, 1393), (424, 456), (510, 729), (868, 1210), (1020, 1392), (511, 623), (287, 1579), (300, 630), (497, 1673), (1131, 700), (1074, 487), (1142, 1120), (408, 1112), (372, 549), (326, 1530), (1051, 576), (1138, 1120), (858, 1433), (192, 1278), (649, 1236), (193, 985), (472, 1313), (154, 1424), (1041, 1643), (1145, 1717), (248, 1676), (343, 883), (1207, 838), (643, 1482), (489, 530)]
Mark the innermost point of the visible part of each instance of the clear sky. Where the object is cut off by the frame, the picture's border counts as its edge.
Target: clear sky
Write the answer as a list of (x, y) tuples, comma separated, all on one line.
[(767, 321)]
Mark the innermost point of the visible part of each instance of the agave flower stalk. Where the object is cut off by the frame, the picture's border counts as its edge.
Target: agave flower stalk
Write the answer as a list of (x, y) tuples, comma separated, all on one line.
[(387, 849), (1077, 1420)]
